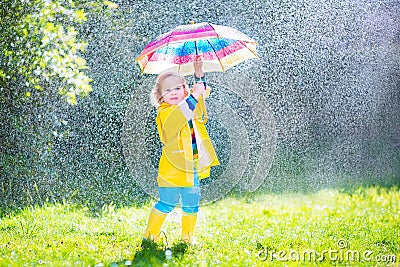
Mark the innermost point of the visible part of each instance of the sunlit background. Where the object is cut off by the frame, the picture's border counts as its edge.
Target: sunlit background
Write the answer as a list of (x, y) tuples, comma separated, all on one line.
[(327, 77)]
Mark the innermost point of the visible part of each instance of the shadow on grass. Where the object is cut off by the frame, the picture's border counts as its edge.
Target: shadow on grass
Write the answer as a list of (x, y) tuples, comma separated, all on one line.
[(153, 254)]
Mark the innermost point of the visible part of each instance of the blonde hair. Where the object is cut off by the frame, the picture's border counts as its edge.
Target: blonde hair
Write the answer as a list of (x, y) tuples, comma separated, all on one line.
[(156, 93)]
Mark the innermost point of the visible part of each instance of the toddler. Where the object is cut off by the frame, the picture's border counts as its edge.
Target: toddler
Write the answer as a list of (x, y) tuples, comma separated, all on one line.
[(187, 152)]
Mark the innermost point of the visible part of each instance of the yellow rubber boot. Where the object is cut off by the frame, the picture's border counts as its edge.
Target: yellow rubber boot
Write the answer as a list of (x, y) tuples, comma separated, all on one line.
[(156, 219), (188, 224)]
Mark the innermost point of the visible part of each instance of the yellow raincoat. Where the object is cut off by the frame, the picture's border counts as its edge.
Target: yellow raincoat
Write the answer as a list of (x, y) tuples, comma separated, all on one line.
[(176, 166)]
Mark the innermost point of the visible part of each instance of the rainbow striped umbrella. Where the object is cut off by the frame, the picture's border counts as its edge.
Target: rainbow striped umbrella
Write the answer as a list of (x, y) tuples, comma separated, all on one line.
[(220, 47)]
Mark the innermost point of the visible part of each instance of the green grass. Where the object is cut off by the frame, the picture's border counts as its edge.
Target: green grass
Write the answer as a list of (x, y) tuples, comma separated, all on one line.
[(232, 232)]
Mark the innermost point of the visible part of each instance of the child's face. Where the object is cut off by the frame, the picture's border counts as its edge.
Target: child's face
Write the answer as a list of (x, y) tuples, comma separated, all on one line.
[(172, 90)]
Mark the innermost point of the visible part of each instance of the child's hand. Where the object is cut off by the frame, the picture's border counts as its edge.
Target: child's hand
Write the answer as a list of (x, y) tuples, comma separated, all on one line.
[(198, 66), (198, 90)]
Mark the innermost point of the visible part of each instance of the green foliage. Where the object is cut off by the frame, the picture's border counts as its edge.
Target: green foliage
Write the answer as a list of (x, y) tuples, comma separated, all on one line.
[(42, 69), (232, 232), (40, 48)]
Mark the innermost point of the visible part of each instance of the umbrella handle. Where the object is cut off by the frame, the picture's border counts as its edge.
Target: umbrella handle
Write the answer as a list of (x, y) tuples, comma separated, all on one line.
[(202, 103)]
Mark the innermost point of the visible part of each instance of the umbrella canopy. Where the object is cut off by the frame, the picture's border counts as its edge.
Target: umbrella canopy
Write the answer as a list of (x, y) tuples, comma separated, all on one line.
[(220, 47)]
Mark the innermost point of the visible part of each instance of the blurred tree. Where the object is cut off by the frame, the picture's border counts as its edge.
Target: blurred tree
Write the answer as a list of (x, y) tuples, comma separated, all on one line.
[(42, 74), (39, 45)]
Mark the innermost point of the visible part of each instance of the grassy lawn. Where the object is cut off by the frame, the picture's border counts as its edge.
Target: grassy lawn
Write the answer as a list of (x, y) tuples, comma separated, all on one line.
[(328, 227)]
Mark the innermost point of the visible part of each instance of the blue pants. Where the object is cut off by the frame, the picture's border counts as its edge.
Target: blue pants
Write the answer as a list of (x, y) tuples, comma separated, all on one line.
[(169, 197)]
